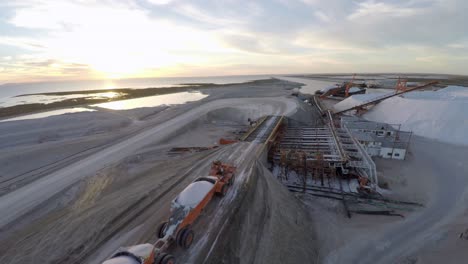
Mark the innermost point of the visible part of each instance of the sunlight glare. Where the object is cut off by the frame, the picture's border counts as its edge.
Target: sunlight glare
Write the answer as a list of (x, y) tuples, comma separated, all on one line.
[(126, 43)]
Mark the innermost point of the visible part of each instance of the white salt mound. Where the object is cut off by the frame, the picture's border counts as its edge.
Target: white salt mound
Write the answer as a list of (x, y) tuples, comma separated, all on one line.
[(354, 89), (194, 193), (326, 89), (441, 115), (354, 100)]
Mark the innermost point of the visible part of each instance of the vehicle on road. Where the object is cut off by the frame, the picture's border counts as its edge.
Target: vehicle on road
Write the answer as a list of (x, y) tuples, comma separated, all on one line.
[(185, 210), (188, 205)]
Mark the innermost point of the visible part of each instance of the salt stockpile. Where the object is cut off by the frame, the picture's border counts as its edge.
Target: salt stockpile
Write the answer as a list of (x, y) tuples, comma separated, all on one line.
[(441, 115), (355, 100)]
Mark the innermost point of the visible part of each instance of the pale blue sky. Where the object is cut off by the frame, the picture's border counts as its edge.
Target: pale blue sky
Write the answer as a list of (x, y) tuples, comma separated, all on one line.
[(84, 39)]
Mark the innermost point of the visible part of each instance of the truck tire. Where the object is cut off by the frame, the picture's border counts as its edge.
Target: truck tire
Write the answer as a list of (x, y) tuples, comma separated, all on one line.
[(231, 181), (223, 190), (185, 237), (168, 259), (162, 229), (165, 258)]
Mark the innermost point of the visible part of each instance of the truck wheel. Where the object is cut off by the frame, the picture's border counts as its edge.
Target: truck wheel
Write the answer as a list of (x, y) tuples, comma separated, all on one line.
[(165, 258), (162, 229), (185, 237), (168, 259), (223, 190), (231, 181)]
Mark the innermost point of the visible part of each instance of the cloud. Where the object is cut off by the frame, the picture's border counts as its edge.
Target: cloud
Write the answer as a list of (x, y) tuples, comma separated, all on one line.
[(378, 25), (43, 63), (259, 44), (194, 12), (459, 45), (244, 43), (130, 38), (160, 2), (114, 39), (22, 42), (322, 16), (36, 68), (378, 9)]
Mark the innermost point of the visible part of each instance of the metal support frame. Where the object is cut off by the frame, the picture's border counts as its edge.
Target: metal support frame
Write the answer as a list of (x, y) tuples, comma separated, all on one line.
[(333, 147)]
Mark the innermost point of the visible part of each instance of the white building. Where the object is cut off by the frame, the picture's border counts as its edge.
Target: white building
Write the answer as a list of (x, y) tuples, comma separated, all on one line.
[(378, 139)]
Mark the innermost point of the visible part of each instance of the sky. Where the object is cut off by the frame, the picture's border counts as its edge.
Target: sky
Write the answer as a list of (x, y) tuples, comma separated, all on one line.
[(43, 40)]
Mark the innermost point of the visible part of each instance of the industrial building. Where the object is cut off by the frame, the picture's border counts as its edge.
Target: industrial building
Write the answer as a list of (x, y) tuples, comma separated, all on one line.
[(378, 139)]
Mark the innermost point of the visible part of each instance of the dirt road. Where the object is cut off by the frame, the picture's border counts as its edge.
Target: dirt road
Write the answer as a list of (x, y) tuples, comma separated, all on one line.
[(127, 197), (21, 201)]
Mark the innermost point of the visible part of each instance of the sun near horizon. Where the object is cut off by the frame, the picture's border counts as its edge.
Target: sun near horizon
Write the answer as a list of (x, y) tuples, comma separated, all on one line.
[(68, 40)]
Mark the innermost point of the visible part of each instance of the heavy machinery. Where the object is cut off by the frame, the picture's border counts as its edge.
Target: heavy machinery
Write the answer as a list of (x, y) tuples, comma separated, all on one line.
[(138, 254), (185, 210), (349, 85), (401, 85), (364, 185), (188, 205), (224, 141), (361, 108), (343, 90)]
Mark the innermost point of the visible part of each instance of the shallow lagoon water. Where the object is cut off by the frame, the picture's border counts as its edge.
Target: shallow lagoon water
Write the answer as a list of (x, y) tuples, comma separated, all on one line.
[(310, 85), (152, 101), (48, 99)]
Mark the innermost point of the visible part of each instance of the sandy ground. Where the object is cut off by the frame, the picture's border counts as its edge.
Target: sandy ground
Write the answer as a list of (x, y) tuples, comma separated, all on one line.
[(116, 185), (434, 173), (267, 226), (76, 187), (437, 182)]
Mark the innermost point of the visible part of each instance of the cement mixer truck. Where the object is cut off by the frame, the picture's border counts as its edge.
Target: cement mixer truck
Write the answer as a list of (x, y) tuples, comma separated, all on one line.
[(185, 210)]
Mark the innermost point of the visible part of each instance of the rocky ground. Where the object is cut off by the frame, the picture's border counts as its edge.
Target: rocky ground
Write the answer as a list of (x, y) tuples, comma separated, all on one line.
[(78, 186), (118, 183)]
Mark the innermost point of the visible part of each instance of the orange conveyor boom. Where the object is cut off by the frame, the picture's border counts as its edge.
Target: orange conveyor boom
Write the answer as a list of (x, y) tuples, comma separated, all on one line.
[(386, 96)]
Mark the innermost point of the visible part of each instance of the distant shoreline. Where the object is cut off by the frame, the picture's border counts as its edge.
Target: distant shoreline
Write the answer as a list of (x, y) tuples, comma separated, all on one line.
[(131, 93), (123, 94)]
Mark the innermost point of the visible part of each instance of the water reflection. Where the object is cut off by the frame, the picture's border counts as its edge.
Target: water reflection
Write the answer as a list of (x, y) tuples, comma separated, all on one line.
[(48, 99), (310, 85), (151, 101)]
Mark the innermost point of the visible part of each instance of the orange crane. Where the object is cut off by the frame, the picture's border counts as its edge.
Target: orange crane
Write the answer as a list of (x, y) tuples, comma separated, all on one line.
[(332, 91), (401, 85), (379, 99), (339, 89), (349, 85)]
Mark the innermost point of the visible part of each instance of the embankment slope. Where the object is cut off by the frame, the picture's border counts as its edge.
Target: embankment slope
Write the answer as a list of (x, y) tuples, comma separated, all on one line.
[(268, 226)]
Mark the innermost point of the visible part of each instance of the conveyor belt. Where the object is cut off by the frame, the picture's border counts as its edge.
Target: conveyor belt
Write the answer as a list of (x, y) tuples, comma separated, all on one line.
[(384, 97), (262, 131)]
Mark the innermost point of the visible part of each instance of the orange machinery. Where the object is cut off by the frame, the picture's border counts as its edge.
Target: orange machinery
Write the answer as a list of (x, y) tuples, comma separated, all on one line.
[(223, 141), (401, 85), (138, 254), (185, 210), (364, 185), (188, 205), (349, 85), (339, 89)]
